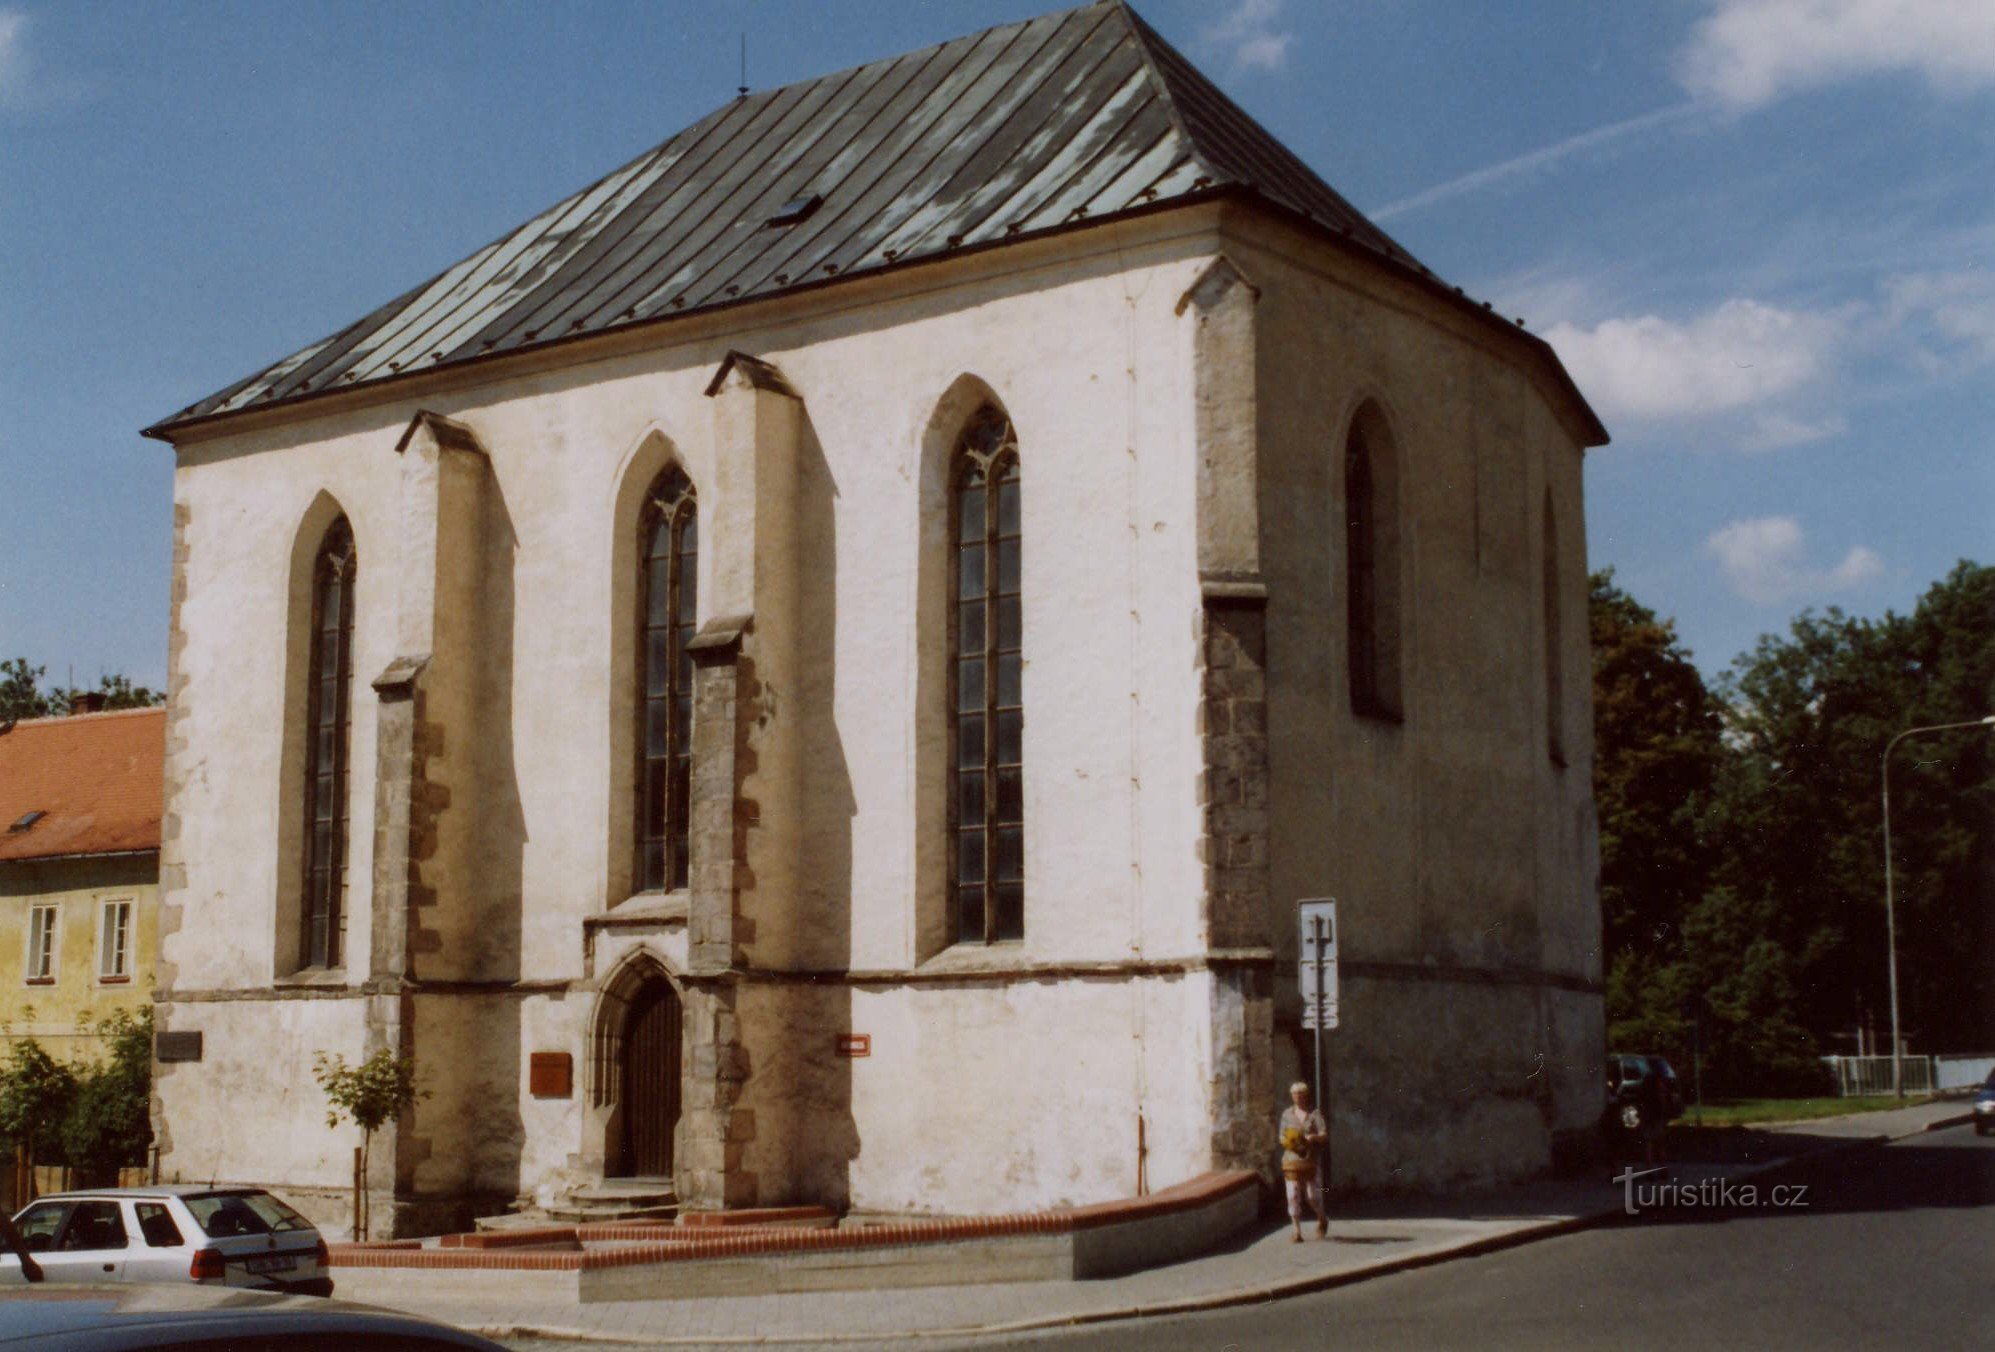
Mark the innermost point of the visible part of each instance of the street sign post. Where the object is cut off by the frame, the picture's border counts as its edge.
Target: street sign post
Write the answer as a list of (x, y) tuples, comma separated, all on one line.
[(1318, 918)]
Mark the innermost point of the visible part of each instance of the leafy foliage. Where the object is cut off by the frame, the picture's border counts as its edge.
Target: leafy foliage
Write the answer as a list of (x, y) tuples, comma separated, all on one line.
[(370, 1093), (36, 1092), (1810, 716), (1656, 755), (109, 1122), (1742, 870), (22, 696)]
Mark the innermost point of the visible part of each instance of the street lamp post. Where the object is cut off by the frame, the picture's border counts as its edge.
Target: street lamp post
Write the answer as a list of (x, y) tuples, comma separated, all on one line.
[(1890, 922)]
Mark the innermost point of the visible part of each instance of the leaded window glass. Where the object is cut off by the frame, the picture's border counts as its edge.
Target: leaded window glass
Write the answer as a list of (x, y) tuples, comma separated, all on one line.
[(669, 546), (1361, 585), (987, 786), (329, 716)]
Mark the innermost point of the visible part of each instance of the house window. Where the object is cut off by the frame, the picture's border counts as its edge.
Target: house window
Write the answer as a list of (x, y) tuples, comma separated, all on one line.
[(41, 945), (329, 710), (668, 550), (987, 790), (114, 942), (1371, 568)]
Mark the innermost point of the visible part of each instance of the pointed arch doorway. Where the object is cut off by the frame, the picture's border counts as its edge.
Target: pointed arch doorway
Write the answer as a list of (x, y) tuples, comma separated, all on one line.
[(640, 1060)]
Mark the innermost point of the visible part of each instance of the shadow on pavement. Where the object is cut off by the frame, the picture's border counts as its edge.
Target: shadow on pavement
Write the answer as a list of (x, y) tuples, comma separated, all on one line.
[(1905, 1177)]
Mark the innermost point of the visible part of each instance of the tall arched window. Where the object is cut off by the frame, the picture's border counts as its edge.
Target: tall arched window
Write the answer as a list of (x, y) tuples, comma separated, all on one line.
[(1361, 574), (987, 788), (1554, 640), (1371, 567), (668, 559), (329, 710)]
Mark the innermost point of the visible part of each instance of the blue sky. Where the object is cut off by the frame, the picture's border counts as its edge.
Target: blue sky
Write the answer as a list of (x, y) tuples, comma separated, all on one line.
[(1761, 233)]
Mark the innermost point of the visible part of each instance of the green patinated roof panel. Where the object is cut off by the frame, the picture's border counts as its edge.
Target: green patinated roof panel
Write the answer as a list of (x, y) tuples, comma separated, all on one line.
[(998, 136)]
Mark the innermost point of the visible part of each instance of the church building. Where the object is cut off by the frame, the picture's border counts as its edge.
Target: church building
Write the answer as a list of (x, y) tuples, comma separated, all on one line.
[(819, 668)]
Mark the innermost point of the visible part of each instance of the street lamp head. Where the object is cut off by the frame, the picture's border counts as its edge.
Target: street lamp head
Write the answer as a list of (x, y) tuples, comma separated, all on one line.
[(1990, 720)]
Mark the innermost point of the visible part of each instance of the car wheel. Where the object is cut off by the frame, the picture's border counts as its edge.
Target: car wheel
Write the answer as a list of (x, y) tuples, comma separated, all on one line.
[(1631, 1116), (1981, 1128)]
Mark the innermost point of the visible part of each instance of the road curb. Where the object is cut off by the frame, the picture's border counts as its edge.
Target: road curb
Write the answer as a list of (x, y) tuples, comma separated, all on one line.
[(1238, 1296)]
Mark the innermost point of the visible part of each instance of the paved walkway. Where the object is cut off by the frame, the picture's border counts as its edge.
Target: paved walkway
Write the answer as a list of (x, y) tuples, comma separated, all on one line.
[(1365, 1240)]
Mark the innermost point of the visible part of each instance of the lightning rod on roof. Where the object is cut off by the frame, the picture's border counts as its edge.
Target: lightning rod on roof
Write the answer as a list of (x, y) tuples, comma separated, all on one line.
[(741, 92)]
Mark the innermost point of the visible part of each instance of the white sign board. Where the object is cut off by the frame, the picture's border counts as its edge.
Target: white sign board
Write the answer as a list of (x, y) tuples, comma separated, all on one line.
[(1319, 962)]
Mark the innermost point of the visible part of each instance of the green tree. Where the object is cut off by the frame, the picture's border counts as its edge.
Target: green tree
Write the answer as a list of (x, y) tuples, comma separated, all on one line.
[(109, 1123), (1656, 755), (371, 1093), (1808, 716), (36, 1092), (118, 693), (22, 696), (20, 690)]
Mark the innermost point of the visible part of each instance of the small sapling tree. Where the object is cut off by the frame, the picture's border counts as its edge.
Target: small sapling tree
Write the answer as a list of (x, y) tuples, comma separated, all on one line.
[(371, 1093)]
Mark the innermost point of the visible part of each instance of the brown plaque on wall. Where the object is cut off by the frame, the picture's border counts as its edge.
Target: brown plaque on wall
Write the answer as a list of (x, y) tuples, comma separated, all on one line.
[(550, 1074), (183, 1045)]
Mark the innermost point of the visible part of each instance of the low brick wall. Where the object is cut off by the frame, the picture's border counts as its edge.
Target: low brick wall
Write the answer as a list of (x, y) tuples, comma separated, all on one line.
[(662, 1262)]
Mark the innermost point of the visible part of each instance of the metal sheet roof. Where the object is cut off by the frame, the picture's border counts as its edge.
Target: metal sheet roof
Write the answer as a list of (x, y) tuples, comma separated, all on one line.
[(997, 136)]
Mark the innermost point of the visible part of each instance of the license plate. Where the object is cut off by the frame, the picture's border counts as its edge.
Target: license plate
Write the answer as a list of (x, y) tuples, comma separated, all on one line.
[(261, 1266)]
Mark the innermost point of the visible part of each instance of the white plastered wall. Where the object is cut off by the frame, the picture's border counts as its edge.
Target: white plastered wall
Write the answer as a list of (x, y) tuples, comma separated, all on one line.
[(1086, 357)]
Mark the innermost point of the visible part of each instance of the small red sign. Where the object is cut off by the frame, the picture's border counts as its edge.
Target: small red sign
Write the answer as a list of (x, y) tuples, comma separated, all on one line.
[(855, 1044)]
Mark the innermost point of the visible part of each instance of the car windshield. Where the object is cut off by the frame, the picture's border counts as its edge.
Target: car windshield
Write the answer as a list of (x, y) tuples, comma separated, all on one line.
[(222, 1214)]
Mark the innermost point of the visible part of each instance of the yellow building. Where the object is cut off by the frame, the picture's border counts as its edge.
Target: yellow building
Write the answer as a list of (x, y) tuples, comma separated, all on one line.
[(79, 874)]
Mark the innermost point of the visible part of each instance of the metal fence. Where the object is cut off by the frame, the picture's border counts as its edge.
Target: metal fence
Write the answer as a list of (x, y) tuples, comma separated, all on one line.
[(1961, 1072), (1859, 1075)]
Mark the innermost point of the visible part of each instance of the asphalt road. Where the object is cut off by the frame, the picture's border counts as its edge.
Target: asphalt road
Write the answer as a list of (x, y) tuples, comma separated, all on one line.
[(1888, 1247), (1891, 1247)]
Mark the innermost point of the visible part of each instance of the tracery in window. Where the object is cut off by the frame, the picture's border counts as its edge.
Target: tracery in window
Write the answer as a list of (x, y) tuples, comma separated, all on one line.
[(987, 786), (329, 716), (668, 563), (1554, 640), (1371, 568)]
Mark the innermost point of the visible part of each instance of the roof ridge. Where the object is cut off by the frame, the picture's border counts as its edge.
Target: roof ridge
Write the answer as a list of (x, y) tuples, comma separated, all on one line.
[(1137, 29), (47, 719), (966, 144)]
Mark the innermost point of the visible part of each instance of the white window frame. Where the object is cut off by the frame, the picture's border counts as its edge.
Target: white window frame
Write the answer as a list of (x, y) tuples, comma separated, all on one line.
[(43, 959), (121, 969)]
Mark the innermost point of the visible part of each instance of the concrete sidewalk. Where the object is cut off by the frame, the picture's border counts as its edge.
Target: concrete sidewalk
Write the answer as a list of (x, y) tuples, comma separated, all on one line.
[(1366, 1240)]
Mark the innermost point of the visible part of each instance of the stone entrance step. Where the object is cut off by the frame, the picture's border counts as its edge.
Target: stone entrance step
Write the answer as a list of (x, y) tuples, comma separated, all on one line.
[(614, 1199)]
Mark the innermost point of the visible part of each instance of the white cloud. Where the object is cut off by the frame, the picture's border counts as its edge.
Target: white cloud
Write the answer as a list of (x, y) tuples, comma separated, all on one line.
[(1777, 430), (1950, 315), (1742, 355), (13, 55), (23, 82), (1249, 36), (1748, 52), (1765, 560)]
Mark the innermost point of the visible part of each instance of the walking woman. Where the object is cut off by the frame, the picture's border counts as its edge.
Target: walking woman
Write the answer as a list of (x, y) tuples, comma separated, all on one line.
[(1304, 1133)]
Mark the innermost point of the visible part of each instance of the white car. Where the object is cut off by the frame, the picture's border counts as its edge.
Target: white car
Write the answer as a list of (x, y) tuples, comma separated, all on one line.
[(218, 1236)]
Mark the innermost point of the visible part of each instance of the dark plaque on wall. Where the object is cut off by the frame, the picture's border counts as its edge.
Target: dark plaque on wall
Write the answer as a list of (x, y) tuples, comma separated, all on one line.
[(178, 1046), (550, 1074)]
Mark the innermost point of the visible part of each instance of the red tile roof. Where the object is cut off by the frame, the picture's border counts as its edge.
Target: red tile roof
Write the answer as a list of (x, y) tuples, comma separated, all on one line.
[(97, 777)]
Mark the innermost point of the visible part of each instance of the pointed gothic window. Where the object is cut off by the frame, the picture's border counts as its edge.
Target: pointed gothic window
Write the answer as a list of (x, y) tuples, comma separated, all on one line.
[(1371, 568), (987, 789), (1554, 641), (329, 711), (668, 554)]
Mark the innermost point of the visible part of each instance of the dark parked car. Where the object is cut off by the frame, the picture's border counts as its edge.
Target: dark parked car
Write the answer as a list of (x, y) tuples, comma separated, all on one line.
[(1984, 1107), (51, 1317), (1635, 1081)]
